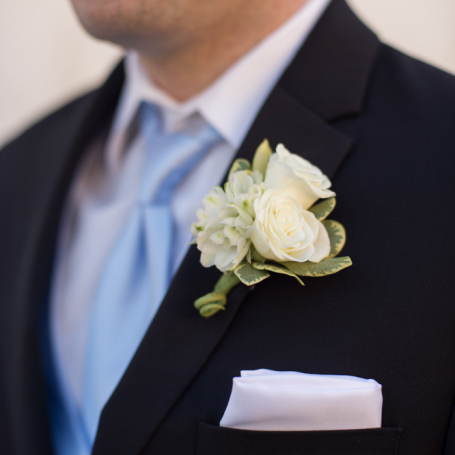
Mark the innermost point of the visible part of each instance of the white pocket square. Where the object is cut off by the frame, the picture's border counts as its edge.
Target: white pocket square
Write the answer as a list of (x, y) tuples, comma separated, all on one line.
[(290, 401)]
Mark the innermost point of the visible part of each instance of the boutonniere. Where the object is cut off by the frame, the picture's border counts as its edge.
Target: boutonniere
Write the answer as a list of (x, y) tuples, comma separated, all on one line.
[(264, 221)]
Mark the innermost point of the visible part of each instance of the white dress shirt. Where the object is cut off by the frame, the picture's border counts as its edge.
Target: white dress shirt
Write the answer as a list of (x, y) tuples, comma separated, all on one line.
[(230, 105)]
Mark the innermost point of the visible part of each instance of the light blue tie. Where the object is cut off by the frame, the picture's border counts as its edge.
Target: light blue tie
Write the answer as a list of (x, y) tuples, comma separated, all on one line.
[(138, 271)]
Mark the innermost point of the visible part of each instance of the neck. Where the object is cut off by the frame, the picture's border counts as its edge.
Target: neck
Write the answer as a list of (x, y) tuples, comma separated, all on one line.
[(187, 69)]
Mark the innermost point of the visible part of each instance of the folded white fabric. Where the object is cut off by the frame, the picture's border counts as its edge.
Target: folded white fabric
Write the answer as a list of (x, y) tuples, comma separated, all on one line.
[(290, 401)]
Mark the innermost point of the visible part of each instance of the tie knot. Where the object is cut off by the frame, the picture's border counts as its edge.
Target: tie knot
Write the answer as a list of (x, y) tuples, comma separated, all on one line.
[(171, 155)]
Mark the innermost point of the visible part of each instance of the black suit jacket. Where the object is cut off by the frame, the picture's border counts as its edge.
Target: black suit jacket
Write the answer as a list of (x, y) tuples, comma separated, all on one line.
[(382, 126)]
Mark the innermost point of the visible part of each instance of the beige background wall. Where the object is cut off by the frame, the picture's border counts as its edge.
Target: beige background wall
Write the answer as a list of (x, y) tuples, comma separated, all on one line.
[(46, 58)]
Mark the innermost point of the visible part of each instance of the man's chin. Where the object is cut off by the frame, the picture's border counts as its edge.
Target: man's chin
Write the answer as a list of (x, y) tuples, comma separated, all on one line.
[(104, 22), (112, 31)]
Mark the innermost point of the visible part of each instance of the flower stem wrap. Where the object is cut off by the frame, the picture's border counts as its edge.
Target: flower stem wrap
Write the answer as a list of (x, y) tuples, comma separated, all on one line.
[(215, 301)]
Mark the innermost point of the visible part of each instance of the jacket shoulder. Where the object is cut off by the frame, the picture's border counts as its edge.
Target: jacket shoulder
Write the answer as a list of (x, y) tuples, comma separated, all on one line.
[(413, 85), (77, 121), (410, 108), (47, 127)]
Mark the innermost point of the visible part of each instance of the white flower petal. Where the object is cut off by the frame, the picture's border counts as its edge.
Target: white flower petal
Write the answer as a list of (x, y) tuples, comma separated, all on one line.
[(225, 257), (321, 245), (283, 178), (217, 238), (296, 176), (207, 260)]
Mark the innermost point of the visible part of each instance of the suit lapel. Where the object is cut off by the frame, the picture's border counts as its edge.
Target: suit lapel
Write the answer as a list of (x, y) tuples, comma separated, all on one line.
[(40, 201), (335, 65), (283, 119), (179, 341)]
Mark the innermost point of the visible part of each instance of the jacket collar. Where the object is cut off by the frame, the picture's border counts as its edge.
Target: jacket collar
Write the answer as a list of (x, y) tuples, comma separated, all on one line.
[(335, 64), (251, 78)]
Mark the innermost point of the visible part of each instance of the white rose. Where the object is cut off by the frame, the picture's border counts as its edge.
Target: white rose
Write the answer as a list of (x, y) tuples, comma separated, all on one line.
[(226, 223), (296, 177), (284, 231)]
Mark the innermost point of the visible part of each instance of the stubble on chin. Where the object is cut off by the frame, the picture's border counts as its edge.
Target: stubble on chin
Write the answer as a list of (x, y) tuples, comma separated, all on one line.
[(132, 23)]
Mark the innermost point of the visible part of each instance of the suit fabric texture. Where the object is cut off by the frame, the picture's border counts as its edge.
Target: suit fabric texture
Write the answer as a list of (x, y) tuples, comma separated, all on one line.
[(381, 125)]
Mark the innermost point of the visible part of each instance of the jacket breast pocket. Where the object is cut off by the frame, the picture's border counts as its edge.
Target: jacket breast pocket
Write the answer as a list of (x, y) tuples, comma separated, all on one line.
[(215, 440)]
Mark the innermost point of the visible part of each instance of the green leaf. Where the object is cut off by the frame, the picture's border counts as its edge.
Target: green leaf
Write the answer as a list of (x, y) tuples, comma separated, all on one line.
[(249, 275), (226, 283), (316, 269), (240, 165), (277, 269), (337, 235), (322, 210), (262, 157), (210, 310)]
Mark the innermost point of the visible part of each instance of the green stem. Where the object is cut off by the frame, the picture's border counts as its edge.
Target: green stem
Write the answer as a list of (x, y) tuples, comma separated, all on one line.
[(226, 283), (215, 301)]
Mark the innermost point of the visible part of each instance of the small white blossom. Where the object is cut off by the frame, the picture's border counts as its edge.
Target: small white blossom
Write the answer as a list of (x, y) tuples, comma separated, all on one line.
[(226, 222)]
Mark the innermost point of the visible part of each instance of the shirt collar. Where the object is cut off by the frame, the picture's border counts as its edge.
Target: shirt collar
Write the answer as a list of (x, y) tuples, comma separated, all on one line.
[(231, 103)]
